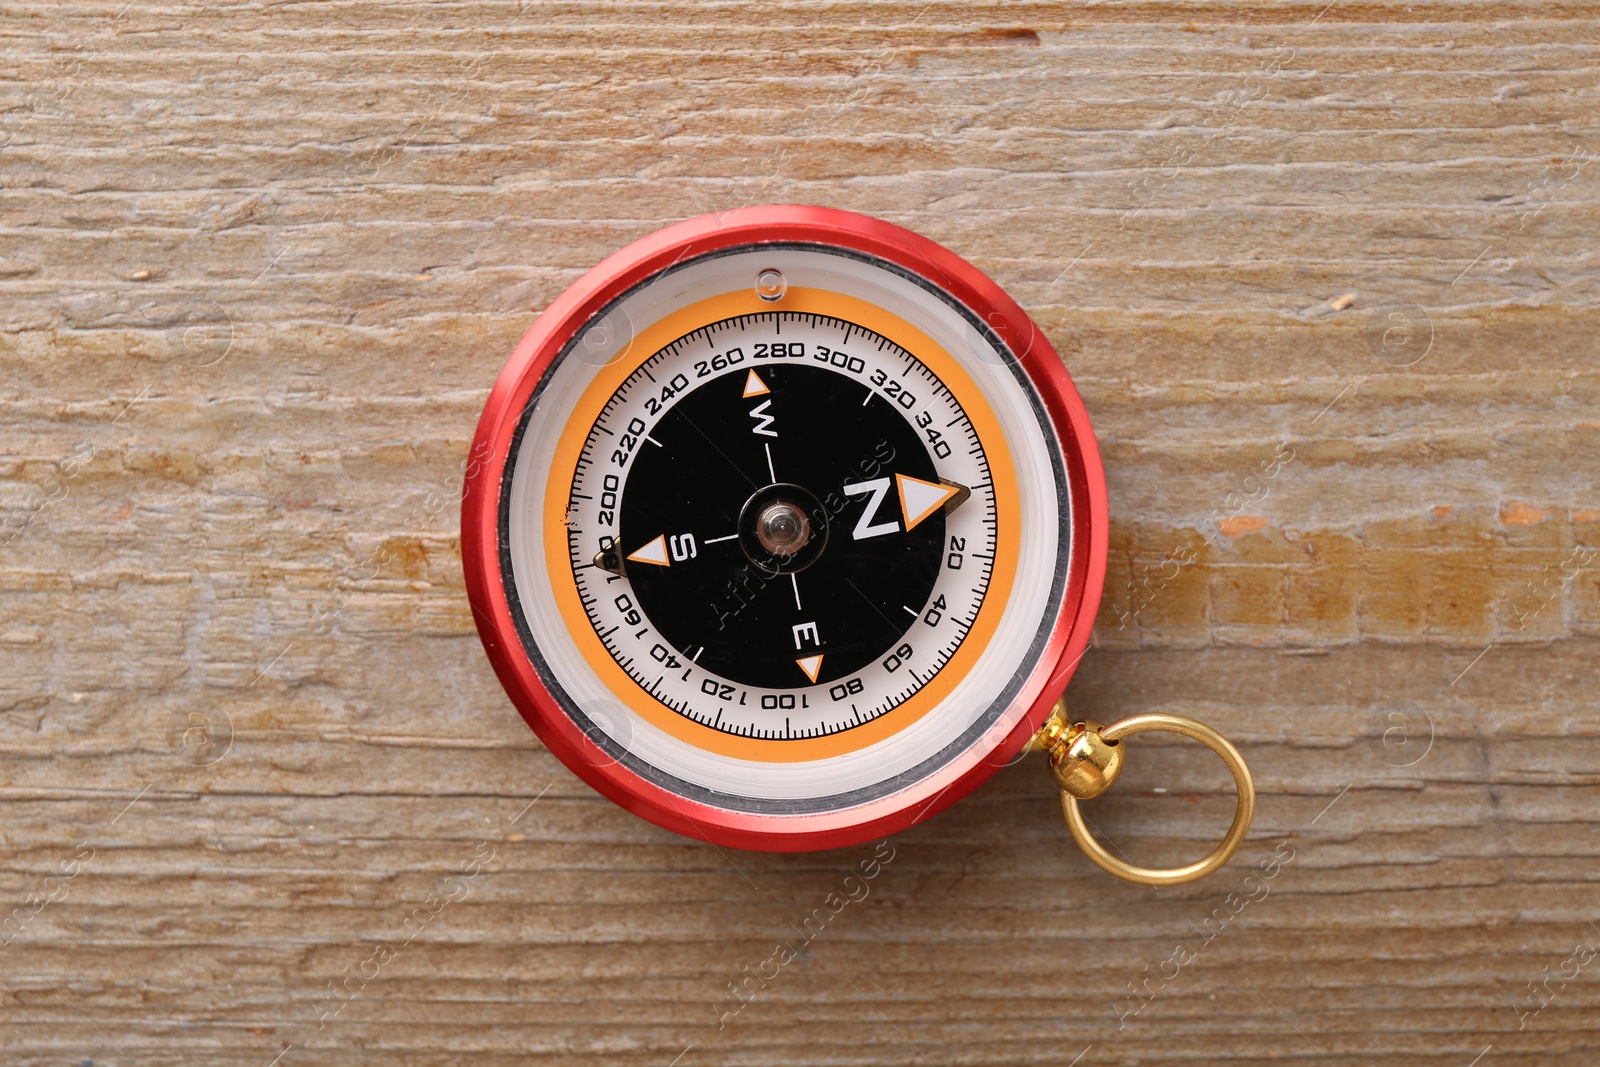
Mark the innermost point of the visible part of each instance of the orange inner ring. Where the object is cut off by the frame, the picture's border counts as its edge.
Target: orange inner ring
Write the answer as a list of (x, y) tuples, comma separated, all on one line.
[(803, 301)]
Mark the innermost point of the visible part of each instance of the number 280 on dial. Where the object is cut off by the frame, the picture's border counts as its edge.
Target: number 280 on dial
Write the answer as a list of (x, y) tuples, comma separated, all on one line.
[(790, 529)]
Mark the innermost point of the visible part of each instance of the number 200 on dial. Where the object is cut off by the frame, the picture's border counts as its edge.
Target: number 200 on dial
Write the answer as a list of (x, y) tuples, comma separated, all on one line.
[(784, 527)]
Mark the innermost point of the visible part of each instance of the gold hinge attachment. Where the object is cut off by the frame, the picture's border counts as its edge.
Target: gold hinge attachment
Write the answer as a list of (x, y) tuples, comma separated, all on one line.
[(1085, 759)]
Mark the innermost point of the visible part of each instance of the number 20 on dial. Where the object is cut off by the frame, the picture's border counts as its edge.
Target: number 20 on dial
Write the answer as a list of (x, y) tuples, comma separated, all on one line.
[(785, 529)]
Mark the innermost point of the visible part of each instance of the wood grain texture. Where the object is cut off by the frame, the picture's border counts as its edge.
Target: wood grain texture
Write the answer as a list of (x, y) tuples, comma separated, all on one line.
[(260, 264)]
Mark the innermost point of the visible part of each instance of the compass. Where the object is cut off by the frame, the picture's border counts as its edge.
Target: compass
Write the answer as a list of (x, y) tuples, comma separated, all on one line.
[(786, 527)]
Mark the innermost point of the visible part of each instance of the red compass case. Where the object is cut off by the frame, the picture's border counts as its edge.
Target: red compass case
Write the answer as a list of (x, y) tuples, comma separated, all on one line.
[(785, 527)]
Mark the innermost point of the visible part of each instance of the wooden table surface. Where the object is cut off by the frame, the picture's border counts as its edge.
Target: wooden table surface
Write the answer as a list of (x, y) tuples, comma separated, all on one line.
[(1325, 274)]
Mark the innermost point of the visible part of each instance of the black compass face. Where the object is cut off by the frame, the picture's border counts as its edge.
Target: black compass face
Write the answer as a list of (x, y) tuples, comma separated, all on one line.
[(781, 525), (791, 481)]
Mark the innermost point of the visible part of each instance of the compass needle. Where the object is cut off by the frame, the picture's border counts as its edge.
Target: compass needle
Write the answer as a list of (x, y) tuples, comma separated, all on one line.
[(654, 551), (919, 499)]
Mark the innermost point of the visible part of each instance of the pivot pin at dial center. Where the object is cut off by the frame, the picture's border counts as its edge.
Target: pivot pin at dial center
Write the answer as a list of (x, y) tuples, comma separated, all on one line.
[(783, 528)]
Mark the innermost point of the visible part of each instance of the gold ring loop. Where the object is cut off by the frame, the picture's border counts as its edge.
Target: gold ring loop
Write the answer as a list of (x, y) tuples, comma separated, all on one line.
[(1243, 812)]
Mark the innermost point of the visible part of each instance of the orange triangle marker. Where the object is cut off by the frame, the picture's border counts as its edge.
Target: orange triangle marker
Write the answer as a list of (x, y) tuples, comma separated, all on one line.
[(812, 665), (754, 386), (920, 499), (654, 552)]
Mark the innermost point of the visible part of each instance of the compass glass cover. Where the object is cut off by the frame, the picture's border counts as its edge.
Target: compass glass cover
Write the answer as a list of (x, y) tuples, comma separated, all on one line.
[(786, 528)]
